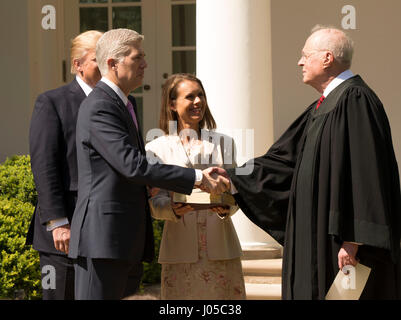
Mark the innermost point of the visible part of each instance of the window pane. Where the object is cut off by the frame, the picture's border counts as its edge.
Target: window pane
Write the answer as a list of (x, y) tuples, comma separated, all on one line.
[(93, 19), (128, 17), (184, 25), (184, 61), (92, 1)]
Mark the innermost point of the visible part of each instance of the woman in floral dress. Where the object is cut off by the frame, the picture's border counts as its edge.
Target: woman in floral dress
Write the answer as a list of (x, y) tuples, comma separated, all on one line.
[(200, 251)]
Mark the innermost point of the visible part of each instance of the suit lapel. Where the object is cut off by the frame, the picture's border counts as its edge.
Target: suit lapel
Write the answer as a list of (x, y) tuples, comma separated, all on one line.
[(112, 95), (141, 142), (76, 89), (125, 111), (78, 95)]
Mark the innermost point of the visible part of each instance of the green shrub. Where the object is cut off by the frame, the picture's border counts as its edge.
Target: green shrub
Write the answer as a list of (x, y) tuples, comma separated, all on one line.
[(16, 180), (19, 268)]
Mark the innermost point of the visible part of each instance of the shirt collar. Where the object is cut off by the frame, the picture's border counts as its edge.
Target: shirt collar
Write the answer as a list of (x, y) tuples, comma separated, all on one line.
[(84, 86), (337, 81), (116, 89)]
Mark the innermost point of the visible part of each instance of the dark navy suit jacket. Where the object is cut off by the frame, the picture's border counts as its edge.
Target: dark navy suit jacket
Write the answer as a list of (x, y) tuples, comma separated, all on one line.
[(112, 218), (54, 160)]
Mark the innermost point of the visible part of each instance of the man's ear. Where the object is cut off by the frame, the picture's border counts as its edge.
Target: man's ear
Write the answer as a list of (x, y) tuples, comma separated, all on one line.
[(328, 59), (77, 65), (112, 63)]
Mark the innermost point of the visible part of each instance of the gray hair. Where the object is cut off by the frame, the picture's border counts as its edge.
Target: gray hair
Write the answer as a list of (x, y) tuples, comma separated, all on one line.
[(115, 44), (336, 41)]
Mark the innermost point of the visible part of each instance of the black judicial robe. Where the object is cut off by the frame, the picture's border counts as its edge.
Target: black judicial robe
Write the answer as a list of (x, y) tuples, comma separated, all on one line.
[(331, 177)]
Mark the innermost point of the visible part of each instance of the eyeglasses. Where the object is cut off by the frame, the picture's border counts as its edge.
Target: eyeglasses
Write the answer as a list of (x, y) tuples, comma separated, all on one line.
[(306, 56)]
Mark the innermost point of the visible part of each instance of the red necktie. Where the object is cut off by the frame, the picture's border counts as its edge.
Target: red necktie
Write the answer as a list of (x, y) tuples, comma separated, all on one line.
[(131, 110), (320, 102)]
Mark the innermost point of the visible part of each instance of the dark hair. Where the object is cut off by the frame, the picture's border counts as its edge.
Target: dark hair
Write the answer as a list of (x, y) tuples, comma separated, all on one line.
[(170, 94)]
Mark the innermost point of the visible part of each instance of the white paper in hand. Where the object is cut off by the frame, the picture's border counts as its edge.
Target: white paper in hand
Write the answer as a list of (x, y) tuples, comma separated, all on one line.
[(350, 286)]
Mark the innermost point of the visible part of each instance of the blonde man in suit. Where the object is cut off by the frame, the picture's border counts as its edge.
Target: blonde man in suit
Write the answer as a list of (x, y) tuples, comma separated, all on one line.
[(54, 164)]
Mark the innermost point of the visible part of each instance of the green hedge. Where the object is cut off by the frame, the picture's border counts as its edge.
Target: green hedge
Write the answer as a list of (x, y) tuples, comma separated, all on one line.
[(19, 268)]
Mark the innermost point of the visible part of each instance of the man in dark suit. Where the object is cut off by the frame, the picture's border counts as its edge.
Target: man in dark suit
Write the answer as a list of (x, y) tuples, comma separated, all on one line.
[(54, 165), (111, 230)]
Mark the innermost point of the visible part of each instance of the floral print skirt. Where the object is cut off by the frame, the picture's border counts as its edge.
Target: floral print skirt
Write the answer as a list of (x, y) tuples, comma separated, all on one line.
[(205, 279)]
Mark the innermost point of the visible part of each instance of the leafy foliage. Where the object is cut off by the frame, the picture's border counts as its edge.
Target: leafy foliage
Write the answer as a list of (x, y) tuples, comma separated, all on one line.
[(16, 180), (19, 268)]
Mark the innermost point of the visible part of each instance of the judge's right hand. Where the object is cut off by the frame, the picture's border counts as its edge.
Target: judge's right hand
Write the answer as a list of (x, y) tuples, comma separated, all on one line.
[(213, 182)]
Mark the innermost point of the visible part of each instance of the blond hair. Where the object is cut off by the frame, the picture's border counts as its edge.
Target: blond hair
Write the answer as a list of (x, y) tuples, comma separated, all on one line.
[(82, 44), (169, 95), (115, 44)]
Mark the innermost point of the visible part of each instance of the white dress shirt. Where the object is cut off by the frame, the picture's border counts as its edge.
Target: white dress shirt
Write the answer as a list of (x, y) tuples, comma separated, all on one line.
[(116, 89), (84, 86), (337, 81)]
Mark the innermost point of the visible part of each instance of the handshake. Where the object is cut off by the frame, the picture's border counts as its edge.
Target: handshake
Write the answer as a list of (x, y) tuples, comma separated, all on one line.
[(215, 181)]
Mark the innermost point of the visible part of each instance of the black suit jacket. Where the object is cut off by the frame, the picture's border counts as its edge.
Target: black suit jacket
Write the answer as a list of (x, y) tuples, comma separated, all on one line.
[(54, 160), (112, 218)]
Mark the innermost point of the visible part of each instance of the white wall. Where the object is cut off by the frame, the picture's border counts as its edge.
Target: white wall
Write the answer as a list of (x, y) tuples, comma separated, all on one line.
[(31, 61), (377, 44), (14, 82)]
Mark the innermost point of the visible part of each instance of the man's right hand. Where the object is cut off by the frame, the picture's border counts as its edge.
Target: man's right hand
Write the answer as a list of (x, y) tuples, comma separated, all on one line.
[(213, 182), (61, 238)]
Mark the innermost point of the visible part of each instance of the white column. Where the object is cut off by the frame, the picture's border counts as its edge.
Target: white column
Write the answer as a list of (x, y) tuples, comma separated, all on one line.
[(234, 64)]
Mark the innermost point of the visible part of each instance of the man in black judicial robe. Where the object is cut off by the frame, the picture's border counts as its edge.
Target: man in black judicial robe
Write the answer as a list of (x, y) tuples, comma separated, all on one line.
[(328, 190)]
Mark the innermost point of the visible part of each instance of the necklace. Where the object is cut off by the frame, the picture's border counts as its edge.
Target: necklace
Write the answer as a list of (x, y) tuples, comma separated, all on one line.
[(191, 147)]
